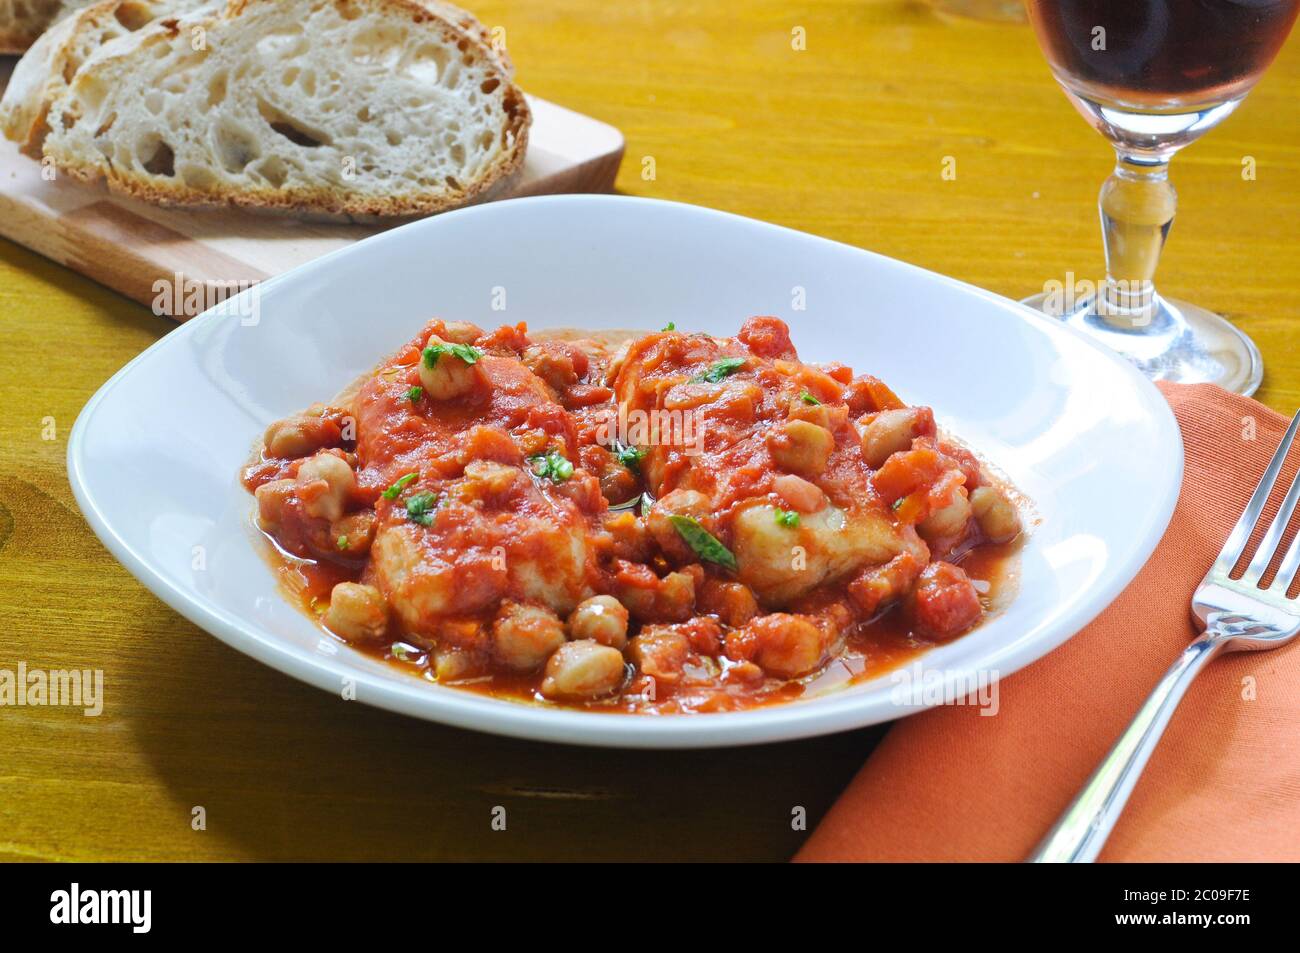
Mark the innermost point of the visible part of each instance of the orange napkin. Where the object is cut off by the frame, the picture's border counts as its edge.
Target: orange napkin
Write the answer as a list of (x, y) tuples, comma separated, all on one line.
[(1224, 784)]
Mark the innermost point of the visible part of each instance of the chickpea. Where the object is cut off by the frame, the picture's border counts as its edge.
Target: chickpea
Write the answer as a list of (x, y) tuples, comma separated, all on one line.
[(798, 494), (453, 663), (339, 481), (786, 646), (732, 602), (583, 669), (600, 619), (524, 636), (660, 652), (676, 595), (888, 432), (449, 377), (818, 414), (949, 521), (995, 514), (801, 447), (300, 436), (629, 536), (353, 534), (357, 612), (272, 498), (461, 332), (487, 480)]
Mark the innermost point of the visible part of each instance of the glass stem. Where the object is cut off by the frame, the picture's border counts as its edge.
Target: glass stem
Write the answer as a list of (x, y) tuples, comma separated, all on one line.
[(1137, 207)]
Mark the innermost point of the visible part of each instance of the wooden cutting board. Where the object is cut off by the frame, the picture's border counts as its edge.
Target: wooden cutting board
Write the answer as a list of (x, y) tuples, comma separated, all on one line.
[(129, 246)]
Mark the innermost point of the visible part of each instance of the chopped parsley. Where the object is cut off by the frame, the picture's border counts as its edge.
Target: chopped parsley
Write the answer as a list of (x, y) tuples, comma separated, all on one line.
[(787, 517), (466, 352), (552, 466), (706, 545), (394, 491), (723, 367), (418, 507), (630, 457), (415, 393), (672, 326), (341, 542), (808, 398)]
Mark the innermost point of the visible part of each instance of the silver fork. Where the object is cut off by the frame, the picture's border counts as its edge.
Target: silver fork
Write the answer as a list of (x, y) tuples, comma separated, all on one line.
[(1235, 615)]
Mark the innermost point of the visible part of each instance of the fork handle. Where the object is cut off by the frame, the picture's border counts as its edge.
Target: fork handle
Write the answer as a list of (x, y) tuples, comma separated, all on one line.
[(1082, 830)]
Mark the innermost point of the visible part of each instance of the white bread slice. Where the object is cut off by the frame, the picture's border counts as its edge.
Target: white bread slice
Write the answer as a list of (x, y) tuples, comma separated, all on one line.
[(46, 69), (352, 107)]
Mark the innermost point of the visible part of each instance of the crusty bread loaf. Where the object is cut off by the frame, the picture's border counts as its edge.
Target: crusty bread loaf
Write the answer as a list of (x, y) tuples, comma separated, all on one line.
[(22, 21), (354, 107), (43, 73)]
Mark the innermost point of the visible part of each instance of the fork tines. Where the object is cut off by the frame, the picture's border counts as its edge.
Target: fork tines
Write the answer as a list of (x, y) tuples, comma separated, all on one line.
[(1250, 519)]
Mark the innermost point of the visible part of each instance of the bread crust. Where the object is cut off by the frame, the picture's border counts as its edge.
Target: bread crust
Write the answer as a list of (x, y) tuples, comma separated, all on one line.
[(14, 41), (333, 201), (18, 38)]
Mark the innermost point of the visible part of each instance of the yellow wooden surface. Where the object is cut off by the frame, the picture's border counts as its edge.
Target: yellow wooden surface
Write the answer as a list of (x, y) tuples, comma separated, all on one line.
[(846, 138)]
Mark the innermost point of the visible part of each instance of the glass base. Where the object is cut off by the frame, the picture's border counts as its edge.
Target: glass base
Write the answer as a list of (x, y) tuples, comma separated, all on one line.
[(1176, 342)]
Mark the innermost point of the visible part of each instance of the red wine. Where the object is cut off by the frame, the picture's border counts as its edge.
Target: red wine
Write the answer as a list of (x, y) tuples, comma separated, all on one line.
[(1161, 52)]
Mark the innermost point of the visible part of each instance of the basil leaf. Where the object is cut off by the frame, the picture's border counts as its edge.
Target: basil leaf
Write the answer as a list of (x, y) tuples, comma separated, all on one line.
[(705, 544)]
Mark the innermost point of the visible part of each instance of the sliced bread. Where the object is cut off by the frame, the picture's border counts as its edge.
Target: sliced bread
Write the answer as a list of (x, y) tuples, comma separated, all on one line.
[(353, 107), (45, 71)]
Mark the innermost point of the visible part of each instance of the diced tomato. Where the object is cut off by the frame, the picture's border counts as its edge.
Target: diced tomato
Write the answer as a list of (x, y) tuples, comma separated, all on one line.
[(944, 603), (879, 585), (964, 459), (944, 489), (906, 472), (867, 394), (586, 395), (704, 635), (767, 337), (508, 337)]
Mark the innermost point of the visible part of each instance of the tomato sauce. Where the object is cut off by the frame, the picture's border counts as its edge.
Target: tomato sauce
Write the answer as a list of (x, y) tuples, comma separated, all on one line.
[(533, 435)]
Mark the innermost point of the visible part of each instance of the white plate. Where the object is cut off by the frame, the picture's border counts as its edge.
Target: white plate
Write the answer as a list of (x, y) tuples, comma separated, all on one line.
[(154, 456)]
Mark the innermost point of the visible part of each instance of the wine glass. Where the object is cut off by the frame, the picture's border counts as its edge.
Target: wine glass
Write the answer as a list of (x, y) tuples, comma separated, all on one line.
[(1153, 76)]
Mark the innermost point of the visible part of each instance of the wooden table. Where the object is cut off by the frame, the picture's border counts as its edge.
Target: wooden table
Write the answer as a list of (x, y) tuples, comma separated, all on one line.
[(846, 138)]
